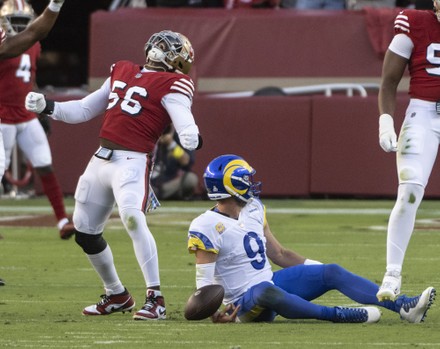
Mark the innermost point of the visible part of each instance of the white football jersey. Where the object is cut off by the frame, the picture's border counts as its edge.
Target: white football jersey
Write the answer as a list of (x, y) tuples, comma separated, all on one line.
[(240, 244)]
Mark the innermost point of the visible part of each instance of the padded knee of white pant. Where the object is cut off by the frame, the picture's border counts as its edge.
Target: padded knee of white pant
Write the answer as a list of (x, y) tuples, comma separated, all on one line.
[(132, 218), (87, 222), (411, 193), (129, 200), (408, 173)]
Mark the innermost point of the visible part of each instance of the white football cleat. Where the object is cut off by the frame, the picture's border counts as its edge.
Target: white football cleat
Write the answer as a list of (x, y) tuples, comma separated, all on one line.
[(154, 307), (390, 288), (110, 304), (414, 309)]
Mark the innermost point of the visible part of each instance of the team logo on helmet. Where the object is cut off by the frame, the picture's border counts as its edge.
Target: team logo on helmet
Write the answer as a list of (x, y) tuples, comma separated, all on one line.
[(230, 175)]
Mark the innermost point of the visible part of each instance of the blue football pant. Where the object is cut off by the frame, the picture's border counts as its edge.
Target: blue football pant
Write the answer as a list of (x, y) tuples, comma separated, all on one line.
[(293, 288)]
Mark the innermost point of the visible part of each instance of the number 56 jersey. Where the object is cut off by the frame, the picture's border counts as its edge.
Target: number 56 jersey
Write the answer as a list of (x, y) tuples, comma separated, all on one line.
[(135, 116), (240, 244)]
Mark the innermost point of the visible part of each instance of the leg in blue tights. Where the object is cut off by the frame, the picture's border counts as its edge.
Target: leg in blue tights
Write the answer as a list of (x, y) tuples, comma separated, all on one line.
[(264, 301), (312, 281)]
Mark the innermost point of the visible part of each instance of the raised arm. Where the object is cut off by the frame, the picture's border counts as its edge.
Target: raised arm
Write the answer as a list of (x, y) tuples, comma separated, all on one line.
[(15, 45)]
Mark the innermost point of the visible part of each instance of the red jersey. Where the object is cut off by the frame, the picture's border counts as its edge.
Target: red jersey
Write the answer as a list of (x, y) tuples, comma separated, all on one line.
[(423, 28), (135, 117), (17, 78)]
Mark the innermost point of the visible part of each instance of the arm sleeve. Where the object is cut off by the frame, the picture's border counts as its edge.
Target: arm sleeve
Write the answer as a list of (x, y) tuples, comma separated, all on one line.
[(402, 45), (75, 112), (204, 274), (178, 107)]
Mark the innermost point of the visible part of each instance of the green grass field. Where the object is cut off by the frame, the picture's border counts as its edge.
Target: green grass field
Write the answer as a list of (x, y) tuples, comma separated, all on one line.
[(49, 281)]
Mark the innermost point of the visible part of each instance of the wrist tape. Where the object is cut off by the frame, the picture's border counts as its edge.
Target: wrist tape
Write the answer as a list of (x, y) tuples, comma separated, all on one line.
[(55, 6), (50, 106)]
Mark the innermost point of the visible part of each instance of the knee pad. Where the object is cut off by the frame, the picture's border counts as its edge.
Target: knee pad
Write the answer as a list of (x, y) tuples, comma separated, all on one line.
[(91, 244), (408, 173), (332, 274), (267, 295), (410, 193), (132, 218)]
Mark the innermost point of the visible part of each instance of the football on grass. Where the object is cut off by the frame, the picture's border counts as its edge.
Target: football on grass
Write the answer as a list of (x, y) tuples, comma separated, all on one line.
[(204, 302)]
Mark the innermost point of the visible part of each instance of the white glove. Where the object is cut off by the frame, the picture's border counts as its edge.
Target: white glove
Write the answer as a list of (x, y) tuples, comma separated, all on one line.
[(55, 5), (387, 135), (189, 137), (35, 102)]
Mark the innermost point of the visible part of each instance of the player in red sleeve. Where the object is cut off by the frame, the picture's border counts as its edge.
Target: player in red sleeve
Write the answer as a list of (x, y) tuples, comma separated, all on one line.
[(17, 78), (12, 46), (416, 45), (138, 103)]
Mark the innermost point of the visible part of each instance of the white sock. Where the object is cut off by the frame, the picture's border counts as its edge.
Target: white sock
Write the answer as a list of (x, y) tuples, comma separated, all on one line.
[(104, 266)]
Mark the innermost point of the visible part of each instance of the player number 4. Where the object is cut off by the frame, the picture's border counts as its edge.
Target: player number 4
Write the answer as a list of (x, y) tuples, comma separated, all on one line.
[(24, 68)]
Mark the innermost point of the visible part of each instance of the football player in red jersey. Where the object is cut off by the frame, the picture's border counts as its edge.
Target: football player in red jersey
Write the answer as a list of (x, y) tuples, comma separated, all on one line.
[(138, 103), (12, 46), (17, 78), (415, 45)]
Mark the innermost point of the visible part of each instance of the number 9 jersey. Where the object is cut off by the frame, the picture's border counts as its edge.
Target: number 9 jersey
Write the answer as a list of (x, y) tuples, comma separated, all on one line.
[(423, 29), (240, 244)]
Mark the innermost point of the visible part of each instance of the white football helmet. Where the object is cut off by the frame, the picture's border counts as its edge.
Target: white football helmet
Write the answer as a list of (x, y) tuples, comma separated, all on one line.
[(169, 51), (16, 16)]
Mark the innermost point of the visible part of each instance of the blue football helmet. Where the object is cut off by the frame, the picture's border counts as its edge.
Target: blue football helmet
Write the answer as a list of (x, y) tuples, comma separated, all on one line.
[(230, 176)]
